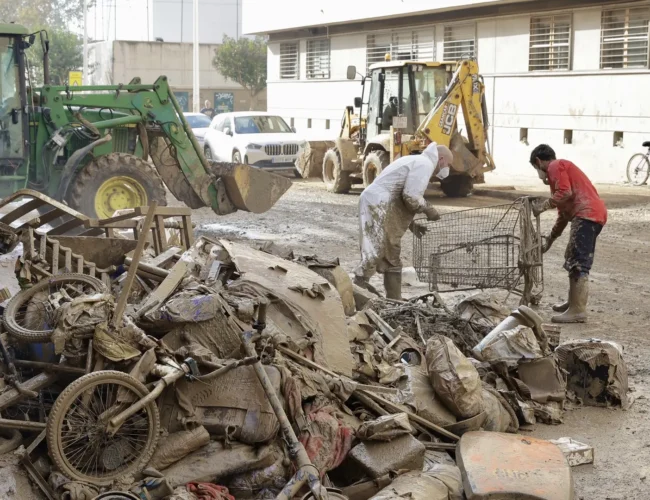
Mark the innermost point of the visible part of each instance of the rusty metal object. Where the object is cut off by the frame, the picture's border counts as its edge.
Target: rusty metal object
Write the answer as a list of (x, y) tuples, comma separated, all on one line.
[(50, 367)]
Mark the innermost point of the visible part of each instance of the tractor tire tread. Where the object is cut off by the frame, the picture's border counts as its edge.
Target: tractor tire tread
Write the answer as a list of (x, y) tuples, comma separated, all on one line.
[(82, 183)]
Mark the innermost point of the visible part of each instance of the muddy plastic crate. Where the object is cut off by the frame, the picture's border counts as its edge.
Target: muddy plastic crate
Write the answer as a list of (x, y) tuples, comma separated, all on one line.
[(490, 247)]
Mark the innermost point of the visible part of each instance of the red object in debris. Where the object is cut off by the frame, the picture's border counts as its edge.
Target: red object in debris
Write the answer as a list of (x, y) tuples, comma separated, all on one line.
[(209, 491)]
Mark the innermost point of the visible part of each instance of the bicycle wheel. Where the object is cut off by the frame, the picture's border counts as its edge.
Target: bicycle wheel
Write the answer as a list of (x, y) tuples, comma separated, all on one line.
[(77, 439), (29, 315), (638, 169)]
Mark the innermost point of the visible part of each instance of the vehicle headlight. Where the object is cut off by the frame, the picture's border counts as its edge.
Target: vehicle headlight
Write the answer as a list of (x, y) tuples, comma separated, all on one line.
[(254, 146)]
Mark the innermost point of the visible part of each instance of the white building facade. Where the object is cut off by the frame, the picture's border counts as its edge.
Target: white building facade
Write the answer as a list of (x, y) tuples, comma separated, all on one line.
[(572, 74)]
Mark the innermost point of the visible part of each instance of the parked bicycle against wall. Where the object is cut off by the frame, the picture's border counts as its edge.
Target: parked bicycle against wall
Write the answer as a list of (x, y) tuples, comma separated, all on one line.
[(638, 168)]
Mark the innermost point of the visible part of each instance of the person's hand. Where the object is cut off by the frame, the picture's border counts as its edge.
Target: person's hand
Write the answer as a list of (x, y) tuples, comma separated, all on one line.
[(547, 242), (432, 214), (418, 230), (538, 207)]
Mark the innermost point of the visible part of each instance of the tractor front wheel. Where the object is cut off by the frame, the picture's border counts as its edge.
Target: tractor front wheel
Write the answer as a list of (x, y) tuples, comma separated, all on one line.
[(115, 182)]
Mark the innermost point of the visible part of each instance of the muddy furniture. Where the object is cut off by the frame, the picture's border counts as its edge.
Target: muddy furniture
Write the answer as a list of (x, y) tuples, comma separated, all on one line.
[(512, 466)]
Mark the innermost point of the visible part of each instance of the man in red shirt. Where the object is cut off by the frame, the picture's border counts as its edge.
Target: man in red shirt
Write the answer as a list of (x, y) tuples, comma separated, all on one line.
[(577, 201)]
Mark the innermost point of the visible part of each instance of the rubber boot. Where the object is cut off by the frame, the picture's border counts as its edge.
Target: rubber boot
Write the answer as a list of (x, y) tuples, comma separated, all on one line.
[(561, 307), (365, 283), (578, 296), (393, 284)]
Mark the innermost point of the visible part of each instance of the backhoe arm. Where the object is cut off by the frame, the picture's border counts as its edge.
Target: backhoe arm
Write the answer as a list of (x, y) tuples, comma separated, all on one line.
[(467, 91)]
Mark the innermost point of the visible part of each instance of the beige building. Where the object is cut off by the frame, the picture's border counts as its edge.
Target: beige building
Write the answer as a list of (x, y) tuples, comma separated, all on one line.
[(120, 61)]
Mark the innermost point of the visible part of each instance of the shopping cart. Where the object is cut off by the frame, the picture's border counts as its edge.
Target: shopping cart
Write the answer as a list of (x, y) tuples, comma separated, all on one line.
[(491, 247)]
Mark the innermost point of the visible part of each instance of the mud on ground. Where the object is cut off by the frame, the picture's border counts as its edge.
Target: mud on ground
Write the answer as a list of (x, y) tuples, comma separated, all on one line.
[(313, 221)]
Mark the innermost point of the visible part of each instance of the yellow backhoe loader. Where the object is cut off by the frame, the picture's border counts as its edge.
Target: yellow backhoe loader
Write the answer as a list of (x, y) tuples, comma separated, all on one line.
[(405, 105)]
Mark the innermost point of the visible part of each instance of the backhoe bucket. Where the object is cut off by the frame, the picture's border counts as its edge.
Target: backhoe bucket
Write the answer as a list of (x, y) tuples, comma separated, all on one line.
[(249, 188), (464, 160)]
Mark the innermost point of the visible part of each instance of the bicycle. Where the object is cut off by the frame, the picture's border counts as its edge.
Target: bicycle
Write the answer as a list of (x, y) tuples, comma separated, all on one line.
[(638, 167)]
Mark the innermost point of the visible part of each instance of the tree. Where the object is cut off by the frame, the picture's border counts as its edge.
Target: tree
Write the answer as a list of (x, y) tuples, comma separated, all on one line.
[(56, 16), (243, 61)]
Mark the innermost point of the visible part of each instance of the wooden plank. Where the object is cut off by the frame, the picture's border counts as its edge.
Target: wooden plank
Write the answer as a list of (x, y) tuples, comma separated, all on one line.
[(130, 276), (164, 258), (384, 327), (165, 289)]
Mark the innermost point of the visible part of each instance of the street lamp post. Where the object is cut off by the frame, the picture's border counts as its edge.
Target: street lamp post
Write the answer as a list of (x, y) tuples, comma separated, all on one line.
[(84, 72), (196, 105)]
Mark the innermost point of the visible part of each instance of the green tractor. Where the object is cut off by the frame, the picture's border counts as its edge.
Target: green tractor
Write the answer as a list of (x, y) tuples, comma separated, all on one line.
[(90, 146)]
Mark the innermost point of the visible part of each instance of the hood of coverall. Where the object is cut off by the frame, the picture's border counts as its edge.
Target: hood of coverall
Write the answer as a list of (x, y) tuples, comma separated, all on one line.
[(431, 152)]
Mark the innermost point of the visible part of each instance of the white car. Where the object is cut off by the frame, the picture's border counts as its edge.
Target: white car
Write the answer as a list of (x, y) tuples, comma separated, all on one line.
[(199, 124), (255, 138)]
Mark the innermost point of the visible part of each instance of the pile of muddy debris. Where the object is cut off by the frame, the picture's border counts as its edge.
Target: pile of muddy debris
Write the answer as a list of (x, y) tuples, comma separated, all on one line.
[(138, 362)]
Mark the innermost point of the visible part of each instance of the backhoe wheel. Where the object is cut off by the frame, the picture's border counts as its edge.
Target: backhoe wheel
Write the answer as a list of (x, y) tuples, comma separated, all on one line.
[(114, 182), (335, 179), (29, 315), (373, 165), (78, 438), (457, 186)]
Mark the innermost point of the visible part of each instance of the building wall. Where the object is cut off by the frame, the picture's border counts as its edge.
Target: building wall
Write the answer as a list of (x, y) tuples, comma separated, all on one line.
[(263, 17), (537, 106), (120, 61), (172, 21)]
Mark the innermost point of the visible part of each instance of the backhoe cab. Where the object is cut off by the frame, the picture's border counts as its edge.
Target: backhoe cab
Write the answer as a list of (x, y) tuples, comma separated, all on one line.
[(404, 106), (89, 146)]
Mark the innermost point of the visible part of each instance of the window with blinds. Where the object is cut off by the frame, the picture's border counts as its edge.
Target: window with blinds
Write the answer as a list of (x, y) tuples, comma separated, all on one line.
[(404, 45), (289, 57), (550, 43), (624, 38), (318, 59), (459, 42)]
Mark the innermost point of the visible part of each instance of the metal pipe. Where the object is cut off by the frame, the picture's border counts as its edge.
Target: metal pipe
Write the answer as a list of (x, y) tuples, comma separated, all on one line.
[(50, 367), (148, 268), (115, 422), (116, 122), (226, 368), (22, 425), (296, 449)]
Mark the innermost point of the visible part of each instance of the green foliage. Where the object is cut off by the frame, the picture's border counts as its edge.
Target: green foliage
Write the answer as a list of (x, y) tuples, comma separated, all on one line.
[(243, 61), (55, 16)]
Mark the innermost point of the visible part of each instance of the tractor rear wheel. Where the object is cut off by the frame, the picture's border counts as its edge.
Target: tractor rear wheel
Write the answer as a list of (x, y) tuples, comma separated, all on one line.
[(457, 186), (114, 182), (375, 162), (335, 179)]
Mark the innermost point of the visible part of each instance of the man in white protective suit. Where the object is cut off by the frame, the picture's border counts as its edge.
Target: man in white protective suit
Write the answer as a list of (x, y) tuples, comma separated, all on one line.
[(386, 211)]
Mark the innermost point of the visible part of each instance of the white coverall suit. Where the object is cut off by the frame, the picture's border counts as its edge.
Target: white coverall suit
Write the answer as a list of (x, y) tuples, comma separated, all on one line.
[(387, 208)]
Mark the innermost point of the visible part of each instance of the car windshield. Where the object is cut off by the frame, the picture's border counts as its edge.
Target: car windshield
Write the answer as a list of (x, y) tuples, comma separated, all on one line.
[(261, 125), (198, 121)]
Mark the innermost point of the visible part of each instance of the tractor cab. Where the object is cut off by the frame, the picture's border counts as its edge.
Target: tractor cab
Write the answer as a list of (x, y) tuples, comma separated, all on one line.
[(12, 99), (400, 94)]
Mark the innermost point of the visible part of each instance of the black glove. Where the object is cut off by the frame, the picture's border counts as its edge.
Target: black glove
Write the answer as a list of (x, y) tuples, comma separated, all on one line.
[(418, 230), (547, 243)]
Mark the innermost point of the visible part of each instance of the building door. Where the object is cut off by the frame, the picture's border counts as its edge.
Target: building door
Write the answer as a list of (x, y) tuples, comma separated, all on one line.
[(183, 99), (224, 102)]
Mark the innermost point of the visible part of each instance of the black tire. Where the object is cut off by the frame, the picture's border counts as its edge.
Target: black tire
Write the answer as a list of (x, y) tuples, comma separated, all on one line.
[(208, 153), (12, 317), (373, 165), (69, 419), (457, 186), (84, 188), (638, 169), (335, 179), (236, 157)]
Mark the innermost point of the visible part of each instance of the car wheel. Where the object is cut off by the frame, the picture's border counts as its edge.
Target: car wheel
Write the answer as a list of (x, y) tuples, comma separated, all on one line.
[(236, 157), (208, 153)]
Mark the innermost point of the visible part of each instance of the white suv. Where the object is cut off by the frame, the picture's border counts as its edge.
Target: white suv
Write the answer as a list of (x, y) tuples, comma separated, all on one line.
[(255, 138)]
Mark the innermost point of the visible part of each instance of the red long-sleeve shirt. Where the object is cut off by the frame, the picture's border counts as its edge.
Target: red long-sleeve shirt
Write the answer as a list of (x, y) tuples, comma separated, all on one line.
[(574, 196)]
